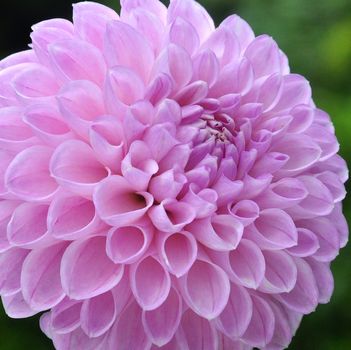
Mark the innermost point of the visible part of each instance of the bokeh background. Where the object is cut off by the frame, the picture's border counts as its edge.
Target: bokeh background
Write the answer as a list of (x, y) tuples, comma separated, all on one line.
[(316, 35)]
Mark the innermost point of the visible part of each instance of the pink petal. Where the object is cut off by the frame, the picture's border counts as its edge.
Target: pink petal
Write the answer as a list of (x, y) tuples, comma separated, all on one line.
[(128, 331), (28, 174), (307, 243), (273, 229), (282, 194), (65, 317), (27, 227), (161, 324), (80, 103), (183, 33), (127, 244), (197, 332), (75, 167), (280, 274), (206, 67), (224, 44), (296, 90), (150, 283), (302, 154), (264, 56), (76, 59), (246, 264), (47, 124), (205, 288), (245, 211), (220, 232), (98, 314), (40, 278), (118, 204), (6, 209), (71, 217), (171, 215), (304, 297), (241, 29), (10, 270), (235, 318), (139, 166), (107, 141), (122, 88), (16, 307), (204, 201), (124, 46), (319, 201), (90, 20), (261, 328), (328, 240), (178, 251), (166, 185), (86, 271), (324, 279), (194, 13), (176, 63)]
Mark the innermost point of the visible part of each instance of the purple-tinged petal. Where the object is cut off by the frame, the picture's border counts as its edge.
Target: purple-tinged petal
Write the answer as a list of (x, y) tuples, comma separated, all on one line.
[(304, 297), (192, 12), (75, 167), (178, 251), (127, 244), (11, 263), (28, 175), (246, 211), (198, 332), (98, 314), (65, 316), (40, 277), (128, 331), (281, 272), (118, 204), (162, 323), (80, 103), (16, 307), (235, 318), (27, 227), (124, 46), (261, 328), (150, 283), (273, 229), (86, 271), (220, 232), (205, 288), (171, 215), (71, 217)]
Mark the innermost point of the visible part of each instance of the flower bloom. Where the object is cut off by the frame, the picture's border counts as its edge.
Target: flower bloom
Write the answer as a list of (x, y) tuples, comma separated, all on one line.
[(164, 184)]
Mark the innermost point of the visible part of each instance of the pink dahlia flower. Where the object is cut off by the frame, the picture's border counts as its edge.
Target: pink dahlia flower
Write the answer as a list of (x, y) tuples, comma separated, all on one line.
[(164, 183)]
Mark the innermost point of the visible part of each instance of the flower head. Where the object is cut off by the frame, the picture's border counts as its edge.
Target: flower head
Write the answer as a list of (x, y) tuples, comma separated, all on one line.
[(164, 183)]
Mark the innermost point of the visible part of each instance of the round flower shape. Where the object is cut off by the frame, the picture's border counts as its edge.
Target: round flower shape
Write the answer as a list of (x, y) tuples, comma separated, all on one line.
[(164, 184)]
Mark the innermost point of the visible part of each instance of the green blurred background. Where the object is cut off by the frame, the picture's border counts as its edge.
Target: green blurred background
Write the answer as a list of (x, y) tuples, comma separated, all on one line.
[(316, 36)]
